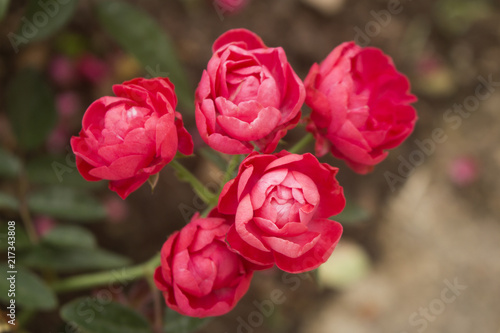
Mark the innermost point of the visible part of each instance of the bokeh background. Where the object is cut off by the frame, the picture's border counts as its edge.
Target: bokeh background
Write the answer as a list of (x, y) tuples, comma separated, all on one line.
[(421, 247)]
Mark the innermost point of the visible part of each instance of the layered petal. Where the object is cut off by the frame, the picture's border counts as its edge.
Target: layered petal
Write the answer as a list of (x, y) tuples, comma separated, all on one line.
[(280, 204), (127, 138), (200, 275), (360, 105), (248, 97)]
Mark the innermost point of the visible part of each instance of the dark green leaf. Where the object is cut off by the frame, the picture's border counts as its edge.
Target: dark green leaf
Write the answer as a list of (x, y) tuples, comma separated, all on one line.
[(31, 292), (175, 322), (22, 240), (9, 164), (142, 37), (30, 107), (45, 17), (4, 5), (71, 44), (66, 203), (71, 259), (58, 170), (70, 236), (91, 315), (7, 201), (351, 214)]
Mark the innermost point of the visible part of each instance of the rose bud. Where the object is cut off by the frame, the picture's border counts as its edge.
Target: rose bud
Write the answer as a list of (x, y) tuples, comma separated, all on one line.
[(127, 138), (248, 97), (199, 275), (360, 106), (281, 204)]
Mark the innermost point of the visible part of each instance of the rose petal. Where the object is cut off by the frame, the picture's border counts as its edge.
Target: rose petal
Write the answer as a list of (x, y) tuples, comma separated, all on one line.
[(330, 232)]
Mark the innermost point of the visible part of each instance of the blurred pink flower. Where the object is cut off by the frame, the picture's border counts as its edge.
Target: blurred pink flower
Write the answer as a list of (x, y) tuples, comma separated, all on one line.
[(463, 170), (58, 139), (92, 68), (231, 6), (44, 224), (62, 71), (116, 209), (68, 104)]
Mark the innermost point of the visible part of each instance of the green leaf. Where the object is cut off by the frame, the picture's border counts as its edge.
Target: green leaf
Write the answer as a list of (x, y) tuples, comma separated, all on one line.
[(70, 236), (31, 292), (4, 5), (91, 315), (22, 240), (30, 108), (45, 17), (175, 322), (142, 37), (71, 259), (351, 214), (9, 164), (71, 44), (7, 201), (66, 203), (58, 170)]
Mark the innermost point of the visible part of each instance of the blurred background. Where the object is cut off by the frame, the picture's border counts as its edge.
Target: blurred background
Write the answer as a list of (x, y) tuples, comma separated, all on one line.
[(420, 251)]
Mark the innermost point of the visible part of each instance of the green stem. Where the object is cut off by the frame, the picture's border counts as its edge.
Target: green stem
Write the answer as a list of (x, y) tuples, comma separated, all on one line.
[(87, 281), (232, 165), (185, 175), (24, 211), (299, 146)]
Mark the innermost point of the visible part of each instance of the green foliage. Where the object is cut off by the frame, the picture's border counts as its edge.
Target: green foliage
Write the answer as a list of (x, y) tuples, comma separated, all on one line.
[(7, 201), (4, 5), (457, 16), (58, 170), (72, 258), (175, 322), (70, 236), (142, 37), (31, 292), (22, 240), (9, 164), (57, 14), (351, 214), (30, 107), (95, 316), (66, 203), (214, 157)]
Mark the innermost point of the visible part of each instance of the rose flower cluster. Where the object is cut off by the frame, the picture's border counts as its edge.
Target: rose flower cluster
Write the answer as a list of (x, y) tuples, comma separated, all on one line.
[(278, 208)]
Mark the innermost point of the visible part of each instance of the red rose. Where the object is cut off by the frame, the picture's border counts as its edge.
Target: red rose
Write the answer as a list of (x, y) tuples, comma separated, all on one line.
[(248, 96), (128, 138), (281, 204), (199, 275), (360, 105)]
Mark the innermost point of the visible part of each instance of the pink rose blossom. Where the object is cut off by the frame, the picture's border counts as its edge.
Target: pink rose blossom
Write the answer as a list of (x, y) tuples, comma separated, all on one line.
[(127, 138), (248, 97), (360, 106), (281, 204), (199, 275)]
